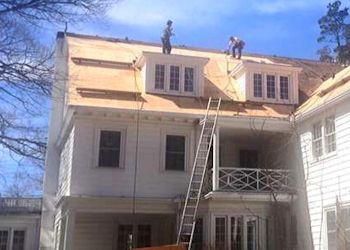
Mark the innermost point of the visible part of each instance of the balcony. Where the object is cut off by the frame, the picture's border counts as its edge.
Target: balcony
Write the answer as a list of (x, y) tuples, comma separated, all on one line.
[(253, 180), (20, 205)]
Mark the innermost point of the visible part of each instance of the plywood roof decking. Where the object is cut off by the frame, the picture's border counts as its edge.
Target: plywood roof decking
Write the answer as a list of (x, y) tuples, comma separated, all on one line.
[(122, 82), (328, 90)]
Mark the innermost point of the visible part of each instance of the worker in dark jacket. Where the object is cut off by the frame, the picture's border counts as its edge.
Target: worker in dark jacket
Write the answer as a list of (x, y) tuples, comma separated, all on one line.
[(167, 33), (236, 43)]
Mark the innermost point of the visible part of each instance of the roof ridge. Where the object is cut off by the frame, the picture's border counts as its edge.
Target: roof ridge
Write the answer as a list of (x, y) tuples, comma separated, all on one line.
[(212, 50)]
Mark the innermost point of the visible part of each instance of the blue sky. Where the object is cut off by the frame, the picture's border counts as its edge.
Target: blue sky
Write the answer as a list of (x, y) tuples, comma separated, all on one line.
[(275, 27)]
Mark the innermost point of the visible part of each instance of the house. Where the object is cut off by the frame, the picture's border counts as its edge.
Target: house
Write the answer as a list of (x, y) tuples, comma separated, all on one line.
[(324, 127), (123, 135), (19, 223)]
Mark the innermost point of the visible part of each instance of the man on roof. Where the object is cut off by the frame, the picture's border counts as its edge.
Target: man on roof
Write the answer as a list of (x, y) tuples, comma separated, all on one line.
[(167, 33), (236, 43)]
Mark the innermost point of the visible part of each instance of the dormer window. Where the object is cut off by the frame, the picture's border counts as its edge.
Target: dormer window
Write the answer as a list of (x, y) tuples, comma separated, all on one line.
[(267, 82), (159, 76), (257, 85), (172, 74), (284, 89), (271, 86)]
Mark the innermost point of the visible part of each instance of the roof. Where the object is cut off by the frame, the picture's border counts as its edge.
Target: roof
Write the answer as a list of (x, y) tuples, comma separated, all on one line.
[(333, 88), (100, 75)]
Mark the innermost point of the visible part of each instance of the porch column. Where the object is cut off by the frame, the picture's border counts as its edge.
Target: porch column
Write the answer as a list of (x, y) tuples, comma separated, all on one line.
[(69, 232), (216, 143)]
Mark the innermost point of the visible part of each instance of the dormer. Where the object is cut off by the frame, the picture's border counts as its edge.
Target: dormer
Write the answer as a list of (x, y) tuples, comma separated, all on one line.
[(267, 82), (172, 74)]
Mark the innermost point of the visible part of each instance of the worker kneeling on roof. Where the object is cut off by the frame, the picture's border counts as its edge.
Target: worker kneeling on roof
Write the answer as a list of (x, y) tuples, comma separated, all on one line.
[(236, 43), (167, 33)]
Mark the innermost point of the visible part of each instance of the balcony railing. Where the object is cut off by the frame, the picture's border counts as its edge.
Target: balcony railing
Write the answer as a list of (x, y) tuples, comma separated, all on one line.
[(255, 179), (20, 205), (250, 180)]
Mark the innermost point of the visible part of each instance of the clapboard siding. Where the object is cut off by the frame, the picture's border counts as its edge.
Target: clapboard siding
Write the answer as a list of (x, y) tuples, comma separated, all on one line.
[(328, 177), (66, 158), (152, 179)]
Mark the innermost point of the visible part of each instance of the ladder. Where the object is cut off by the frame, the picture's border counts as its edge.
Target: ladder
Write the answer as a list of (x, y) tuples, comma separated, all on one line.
[(188, 219)]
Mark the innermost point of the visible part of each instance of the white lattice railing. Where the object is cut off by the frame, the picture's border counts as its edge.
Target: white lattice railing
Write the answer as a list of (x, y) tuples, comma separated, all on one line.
[(254, 179)]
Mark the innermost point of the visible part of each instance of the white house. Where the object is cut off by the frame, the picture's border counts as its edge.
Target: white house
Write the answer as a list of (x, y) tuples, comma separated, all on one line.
[(19, 223), (324, 130), (122, 140)]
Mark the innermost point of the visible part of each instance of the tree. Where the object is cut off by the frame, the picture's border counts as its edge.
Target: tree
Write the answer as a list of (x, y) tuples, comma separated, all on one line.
[(26, 69), (334, 28)]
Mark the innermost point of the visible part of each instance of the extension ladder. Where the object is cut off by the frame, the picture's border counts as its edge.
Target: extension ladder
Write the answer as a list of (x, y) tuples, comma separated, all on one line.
[(188, 219)]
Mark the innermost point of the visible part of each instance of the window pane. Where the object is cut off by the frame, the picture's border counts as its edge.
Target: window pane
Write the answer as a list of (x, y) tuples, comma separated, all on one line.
[(18, 240), (345, 213), (189, 79), (159, 76), (124, 231), (197, 243), (251, 234), (330, 134), (144, 235), (109, 152), (220, 233), (174, 78), (236, 233), (271, 86), (257, 85), (317, 140), (3, 239), (175, 152), (284, 87), (331, 238)]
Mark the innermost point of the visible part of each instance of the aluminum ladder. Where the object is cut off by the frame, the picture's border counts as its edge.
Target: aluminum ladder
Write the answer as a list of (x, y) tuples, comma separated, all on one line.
[(188, 219)]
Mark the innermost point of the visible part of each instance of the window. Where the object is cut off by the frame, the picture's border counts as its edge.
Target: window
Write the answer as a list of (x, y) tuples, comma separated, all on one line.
[(257, 85), (236, 233), (220, 233), (175, 152), (144, 233), (109, 149), (270, 86), (317, 140), (175, 78), (284, 89), (159, 76), (124, 232), (331, 230), (4, 234), (330, 134), (251, 234), (189, 79), (18, 240), (338, 229)]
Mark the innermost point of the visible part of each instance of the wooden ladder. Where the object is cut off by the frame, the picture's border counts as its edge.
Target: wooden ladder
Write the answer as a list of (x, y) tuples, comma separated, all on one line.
[(188, 219)]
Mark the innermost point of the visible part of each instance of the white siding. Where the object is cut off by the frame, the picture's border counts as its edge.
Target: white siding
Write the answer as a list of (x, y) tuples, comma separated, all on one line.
[(65, 166), (330, 176), (152, 179)]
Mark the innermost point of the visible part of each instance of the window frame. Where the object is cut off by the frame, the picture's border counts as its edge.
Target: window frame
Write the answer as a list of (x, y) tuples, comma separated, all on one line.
[(169, 76), (274, 86), (184, 153), (331, 134), (123, 134), (288, 88), (262, 85), (8, 230), (164, 77), (184, 78), (13, 234), (315, 140)]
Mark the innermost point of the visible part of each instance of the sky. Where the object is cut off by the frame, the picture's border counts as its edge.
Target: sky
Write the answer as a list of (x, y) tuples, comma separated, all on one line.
[(274, 27)]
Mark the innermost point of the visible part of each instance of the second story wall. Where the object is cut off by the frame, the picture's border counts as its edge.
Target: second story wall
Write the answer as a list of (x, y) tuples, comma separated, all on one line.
[(153, 180)]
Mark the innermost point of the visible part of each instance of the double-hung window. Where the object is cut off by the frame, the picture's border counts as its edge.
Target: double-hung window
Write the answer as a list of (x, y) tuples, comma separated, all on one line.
[(4, 238), (16, 236), (329, 134), (109, 148), (175, 152), (18, 240), (257, 85), (317, 140), (271, 86), (159, 77), (174, 78), (338, 228), (189, 79), (284, 87)]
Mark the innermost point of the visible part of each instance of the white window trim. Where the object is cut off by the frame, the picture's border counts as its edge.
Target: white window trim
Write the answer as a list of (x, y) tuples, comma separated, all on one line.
[(277, 99), (123, 134), (167, 78), (246, 218), (11, 231), (188, 146), (325, 154)]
